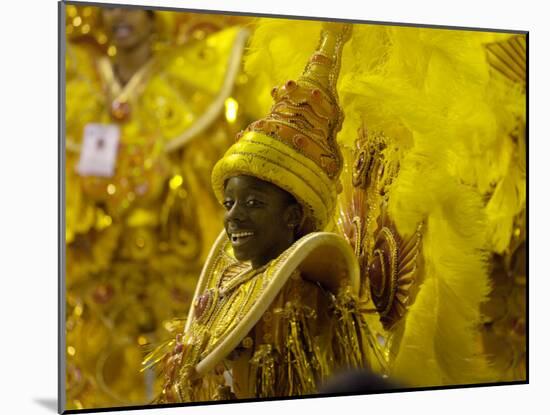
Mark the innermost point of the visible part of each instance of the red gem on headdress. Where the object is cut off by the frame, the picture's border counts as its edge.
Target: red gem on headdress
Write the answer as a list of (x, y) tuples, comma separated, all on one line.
[(299, 141), (318, 58), (329, 164), (290, 85), (316, 94)]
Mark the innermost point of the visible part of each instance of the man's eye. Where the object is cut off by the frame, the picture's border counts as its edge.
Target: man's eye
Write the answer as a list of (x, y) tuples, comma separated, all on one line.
[(227, 204), (252, 203)]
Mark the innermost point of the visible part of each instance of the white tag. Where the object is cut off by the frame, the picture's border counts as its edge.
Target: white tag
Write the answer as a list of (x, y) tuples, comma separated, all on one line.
[(99, 150)]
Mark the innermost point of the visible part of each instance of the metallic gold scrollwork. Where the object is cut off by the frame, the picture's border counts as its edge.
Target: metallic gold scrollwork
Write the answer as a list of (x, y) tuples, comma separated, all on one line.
[(388, 260)]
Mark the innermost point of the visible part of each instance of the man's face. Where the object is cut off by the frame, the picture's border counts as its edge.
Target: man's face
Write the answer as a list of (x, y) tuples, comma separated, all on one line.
[(260, 219), (128, 28)]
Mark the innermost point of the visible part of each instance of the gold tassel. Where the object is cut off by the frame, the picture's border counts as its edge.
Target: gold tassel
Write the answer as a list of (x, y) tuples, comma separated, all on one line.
[(263, 371), (350, 348), (303, 367)]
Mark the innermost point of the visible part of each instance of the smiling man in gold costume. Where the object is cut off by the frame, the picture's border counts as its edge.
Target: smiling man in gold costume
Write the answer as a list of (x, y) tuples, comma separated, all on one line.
[(396, 283), (275, 306)]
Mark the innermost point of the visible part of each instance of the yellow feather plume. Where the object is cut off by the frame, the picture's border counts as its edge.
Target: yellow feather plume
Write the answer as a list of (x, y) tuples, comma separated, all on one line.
[(278, 51), (432, 92)]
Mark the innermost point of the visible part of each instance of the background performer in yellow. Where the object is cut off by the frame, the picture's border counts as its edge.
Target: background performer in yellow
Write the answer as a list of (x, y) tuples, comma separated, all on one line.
[(150, 106)]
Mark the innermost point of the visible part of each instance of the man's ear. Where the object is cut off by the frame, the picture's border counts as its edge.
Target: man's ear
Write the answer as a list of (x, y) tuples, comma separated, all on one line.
[(294, 215)]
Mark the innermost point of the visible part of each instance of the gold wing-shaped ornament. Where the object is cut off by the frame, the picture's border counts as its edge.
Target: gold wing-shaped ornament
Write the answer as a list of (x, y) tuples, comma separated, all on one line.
[(389, 261)]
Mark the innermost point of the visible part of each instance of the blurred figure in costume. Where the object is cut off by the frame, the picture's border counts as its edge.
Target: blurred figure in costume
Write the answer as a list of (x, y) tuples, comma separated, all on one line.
[(394, 286), (146, 119)]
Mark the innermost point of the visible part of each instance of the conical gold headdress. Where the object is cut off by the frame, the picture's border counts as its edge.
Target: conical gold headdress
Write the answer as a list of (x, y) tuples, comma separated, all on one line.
[(294, 147)]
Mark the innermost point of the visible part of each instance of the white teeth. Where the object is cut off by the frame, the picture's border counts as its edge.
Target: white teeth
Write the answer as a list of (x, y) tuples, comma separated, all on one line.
[(241, 234)]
